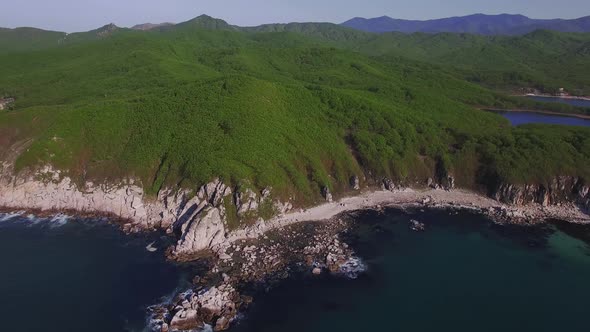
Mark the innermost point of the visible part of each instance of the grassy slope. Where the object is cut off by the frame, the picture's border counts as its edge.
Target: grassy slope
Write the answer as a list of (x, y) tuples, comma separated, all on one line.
[(184, 105)]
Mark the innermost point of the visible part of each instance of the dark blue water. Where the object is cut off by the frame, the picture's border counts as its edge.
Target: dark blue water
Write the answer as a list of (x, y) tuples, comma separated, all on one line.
[(462, 274), (569, 101), (80, 275), (519, 118)]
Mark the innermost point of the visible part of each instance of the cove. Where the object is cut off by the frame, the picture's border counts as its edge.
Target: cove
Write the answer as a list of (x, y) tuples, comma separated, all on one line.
[(464, 273)]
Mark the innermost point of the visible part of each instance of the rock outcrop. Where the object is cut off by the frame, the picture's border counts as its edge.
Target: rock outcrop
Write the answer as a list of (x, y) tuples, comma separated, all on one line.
[(58, 193), (197, 217), (388, 184), (560, 190), (355, 183), (216, 306), (327, 194)]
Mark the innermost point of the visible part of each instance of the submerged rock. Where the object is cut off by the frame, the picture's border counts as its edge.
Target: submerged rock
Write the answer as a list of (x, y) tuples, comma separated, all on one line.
[(417, 226)]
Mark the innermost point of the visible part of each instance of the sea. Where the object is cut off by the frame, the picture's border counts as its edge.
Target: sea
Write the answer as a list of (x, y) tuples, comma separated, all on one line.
[(463, 273)]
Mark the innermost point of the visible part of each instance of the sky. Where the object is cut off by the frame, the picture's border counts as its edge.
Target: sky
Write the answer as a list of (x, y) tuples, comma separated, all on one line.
[(83, 15)]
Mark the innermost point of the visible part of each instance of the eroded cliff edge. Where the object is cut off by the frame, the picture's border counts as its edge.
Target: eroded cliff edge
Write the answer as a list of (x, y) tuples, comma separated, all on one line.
[(205, 217), (218, 218)]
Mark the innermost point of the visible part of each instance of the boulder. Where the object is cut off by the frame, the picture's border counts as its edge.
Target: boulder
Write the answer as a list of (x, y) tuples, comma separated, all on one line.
[(430, 183), (222, 324), (186, 319), (388, 184)]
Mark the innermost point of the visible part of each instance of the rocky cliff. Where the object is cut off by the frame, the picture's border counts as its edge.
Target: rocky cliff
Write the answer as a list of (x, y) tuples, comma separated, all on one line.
[(563, 189), (205, 217), (198, 217)]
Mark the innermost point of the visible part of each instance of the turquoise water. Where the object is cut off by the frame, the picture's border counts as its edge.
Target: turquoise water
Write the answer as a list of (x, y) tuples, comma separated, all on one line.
[(462, 274)]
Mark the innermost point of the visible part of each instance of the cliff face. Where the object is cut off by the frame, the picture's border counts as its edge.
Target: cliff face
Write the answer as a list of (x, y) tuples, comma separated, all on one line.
[(562, 189), (205, 217), (198, 217)]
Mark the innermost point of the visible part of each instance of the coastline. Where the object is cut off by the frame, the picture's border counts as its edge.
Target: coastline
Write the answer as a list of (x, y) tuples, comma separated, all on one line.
[(368, 199), (309, 242), (425, 198), (312, 242)]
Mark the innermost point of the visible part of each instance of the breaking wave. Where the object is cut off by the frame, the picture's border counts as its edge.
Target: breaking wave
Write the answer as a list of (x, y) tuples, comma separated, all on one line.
[(353, 267), (31, 220)]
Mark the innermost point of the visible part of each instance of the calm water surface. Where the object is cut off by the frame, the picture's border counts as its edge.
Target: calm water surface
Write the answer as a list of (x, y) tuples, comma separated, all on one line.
[(569, 101), (519, 118), (462, 274), (78, 275)]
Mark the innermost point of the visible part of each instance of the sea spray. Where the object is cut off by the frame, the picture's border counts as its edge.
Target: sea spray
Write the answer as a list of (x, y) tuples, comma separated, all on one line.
[(353, 267)]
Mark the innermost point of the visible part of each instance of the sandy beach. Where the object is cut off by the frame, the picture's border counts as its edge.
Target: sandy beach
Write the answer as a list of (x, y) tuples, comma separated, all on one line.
[(407, 198)]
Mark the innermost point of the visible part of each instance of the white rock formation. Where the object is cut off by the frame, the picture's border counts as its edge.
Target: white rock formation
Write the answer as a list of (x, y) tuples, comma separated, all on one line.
[(204, 231), (197, 216), (60, 193)]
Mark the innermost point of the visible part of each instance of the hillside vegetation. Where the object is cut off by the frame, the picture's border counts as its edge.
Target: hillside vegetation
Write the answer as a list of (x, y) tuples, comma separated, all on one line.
[(295, 110)]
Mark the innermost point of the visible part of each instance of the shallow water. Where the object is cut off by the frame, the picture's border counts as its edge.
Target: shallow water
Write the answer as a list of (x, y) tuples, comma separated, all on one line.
[(61, 274), (463, 274), (519, 118)]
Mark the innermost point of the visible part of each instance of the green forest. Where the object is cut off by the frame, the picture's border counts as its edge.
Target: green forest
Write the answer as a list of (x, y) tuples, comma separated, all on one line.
[(295, 107)]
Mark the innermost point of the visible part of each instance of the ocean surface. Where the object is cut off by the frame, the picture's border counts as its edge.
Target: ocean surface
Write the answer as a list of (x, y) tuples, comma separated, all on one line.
[(61, 274), (462, 274)]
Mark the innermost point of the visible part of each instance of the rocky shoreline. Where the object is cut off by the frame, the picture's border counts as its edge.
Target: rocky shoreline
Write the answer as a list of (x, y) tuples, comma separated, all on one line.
[(246, 246), (217, 298)]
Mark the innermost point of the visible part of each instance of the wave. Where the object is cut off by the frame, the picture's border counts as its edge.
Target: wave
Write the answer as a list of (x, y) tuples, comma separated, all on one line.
[(31, 220), (353, 267), (9, 216)]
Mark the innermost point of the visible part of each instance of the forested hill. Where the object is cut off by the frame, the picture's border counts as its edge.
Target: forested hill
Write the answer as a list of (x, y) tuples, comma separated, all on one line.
[(295, 107), (542, 59)]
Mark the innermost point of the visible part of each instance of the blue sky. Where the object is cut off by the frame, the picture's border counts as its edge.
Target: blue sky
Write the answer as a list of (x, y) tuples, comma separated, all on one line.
[(82, 15)]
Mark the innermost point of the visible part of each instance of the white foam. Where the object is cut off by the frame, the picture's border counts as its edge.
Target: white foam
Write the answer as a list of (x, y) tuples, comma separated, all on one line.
[(150, 247), (59, 220), (207, 328), (9, 216), (353, 267)]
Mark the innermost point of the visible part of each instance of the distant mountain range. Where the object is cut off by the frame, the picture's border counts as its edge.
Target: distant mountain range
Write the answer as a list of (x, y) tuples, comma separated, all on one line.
[(480, 24), (351, 32)]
